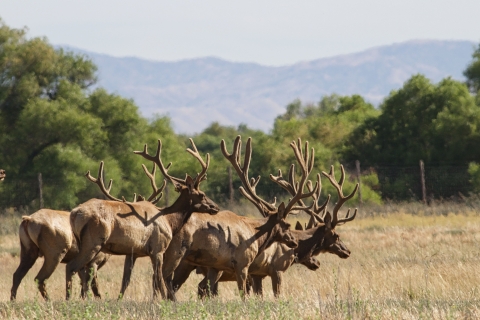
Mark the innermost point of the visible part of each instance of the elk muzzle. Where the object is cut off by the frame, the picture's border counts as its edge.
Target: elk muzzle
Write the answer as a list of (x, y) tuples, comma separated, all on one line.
[(311, 263)]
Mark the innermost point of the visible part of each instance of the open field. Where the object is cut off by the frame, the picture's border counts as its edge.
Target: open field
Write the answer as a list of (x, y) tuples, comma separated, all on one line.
[(407, 263)]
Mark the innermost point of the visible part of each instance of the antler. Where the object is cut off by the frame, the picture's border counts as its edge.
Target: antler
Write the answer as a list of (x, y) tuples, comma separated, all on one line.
[(203, 174), (177, 182), (157, 192), (158, 161), (341, 198), (305, 160), (248, 189), (101, 185)]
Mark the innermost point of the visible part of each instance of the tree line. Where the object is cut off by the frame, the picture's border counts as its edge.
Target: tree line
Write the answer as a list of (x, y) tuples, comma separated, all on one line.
[(55, 121)]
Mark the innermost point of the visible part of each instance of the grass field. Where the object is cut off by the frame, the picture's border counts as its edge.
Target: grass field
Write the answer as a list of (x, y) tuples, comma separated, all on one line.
[(407, 262)]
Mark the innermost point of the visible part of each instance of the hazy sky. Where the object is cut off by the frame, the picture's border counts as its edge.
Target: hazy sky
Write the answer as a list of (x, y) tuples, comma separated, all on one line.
[(268, 32)]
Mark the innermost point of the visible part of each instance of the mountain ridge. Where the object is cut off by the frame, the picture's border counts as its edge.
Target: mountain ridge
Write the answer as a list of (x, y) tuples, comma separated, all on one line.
[(196, 92)]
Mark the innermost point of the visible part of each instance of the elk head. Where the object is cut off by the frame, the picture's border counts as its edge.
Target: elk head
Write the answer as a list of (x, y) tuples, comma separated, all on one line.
[(2, 174), (331, 242), (191, 196)]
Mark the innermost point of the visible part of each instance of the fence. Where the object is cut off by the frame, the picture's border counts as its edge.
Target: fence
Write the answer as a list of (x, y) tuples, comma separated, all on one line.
[(394, 183)]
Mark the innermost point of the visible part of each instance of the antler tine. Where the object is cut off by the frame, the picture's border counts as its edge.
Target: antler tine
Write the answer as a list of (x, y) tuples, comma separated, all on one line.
[(203, 174), (305, 161), (157, 192), (341, 198), (248, 188), (99, 182), (158, 161), (347, 218)]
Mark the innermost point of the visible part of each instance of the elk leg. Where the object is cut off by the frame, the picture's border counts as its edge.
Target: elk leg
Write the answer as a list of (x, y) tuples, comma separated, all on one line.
[(50, 263), (257, 285), (181, 275), (27, 260), (276, 283), (88, 276), (242, 275), (158, 282), (91, 243), (127, 273)]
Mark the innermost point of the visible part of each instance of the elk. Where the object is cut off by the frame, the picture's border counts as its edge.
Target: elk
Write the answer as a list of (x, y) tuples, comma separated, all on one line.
[(2, 174), (230, 242), (137, 229), (318, 237), (48, 233)]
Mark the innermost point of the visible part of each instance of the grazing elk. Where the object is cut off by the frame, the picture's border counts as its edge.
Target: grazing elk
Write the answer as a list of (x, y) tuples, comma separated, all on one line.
[(315, 239), (137, 229), (230, 242), (2, 174), (48, 233)]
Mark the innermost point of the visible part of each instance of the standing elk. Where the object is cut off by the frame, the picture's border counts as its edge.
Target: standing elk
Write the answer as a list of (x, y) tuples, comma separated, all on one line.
[(2, 174), (230, 242), (48, 233), (319, 236), (137, 229)]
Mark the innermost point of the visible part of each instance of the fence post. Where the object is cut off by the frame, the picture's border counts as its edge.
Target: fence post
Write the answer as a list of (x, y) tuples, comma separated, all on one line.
[(230, 185), (422, 182), (357, 166), (40, 189)]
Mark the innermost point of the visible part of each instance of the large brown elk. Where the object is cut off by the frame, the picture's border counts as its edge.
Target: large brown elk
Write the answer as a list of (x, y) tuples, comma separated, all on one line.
[(318, 237), (47, 233), (231, 242), (137, 229), (2, 174)]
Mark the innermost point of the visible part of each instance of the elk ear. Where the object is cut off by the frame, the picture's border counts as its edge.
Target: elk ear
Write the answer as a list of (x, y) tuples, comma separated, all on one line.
[(328, 220), (190, 184), (281, 211), (298, 226)]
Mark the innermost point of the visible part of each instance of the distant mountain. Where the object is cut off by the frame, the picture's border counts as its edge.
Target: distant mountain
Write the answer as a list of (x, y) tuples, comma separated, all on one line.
[(196, 92)]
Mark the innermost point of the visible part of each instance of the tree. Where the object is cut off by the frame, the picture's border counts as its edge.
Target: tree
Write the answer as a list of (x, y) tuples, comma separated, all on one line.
[(472, 72)]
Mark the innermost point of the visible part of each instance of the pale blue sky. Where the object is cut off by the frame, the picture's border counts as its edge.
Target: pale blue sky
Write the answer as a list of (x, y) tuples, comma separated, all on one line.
[(267, 32)]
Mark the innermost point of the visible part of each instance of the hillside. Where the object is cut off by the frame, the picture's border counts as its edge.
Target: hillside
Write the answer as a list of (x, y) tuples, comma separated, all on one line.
[(196, 92)]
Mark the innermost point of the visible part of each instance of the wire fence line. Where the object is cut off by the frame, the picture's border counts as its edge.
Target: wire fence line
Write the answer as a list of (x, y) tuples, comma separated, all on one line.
[(398, 183)]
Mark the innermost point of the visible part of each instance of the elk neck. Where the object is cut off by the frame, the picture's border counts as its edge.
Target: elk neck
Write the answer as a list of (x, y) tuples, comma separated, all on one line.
[(309, 242), (265, 232)]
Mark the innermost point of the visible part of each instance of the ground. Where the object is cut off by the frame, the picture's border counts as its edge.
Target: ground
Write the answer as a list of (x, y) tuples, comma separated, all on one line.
[(413, 262)]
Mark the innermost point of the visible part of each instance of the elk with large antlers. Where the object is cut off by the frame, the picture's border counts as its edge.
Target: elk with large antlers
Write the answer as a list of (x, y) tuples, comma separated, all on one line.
[(48, 233), (231, 242), (137, 229), (318, 237)]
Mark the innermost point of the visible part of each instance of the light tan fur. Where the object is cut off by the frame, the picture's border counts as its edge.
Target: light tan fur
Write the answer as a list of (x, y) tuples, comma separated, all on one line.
[(47, 233)]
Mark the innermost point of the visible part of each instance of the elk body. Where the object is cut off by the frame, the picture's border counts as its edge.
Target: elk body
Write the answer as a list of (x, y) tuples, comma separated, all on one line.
[(137, 229), (229, 242), (47, 233), (318, 237)]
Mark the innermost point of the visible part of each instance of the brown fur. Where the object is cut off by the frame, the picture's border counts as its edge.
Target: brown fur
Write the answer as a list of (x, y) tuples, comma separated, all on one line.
[(227, 242), (47, 233), (2, 174)]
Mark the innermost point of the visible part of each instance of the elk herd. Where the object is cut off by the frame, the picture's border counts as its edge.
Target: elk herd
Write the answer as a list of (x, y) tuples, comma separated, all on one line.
[(192, 234)]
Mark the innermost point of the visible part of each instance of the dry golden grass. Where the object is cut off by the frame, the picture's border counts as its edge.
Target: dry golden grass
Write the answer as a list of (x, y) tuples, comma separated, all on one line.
[(403, 266)]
